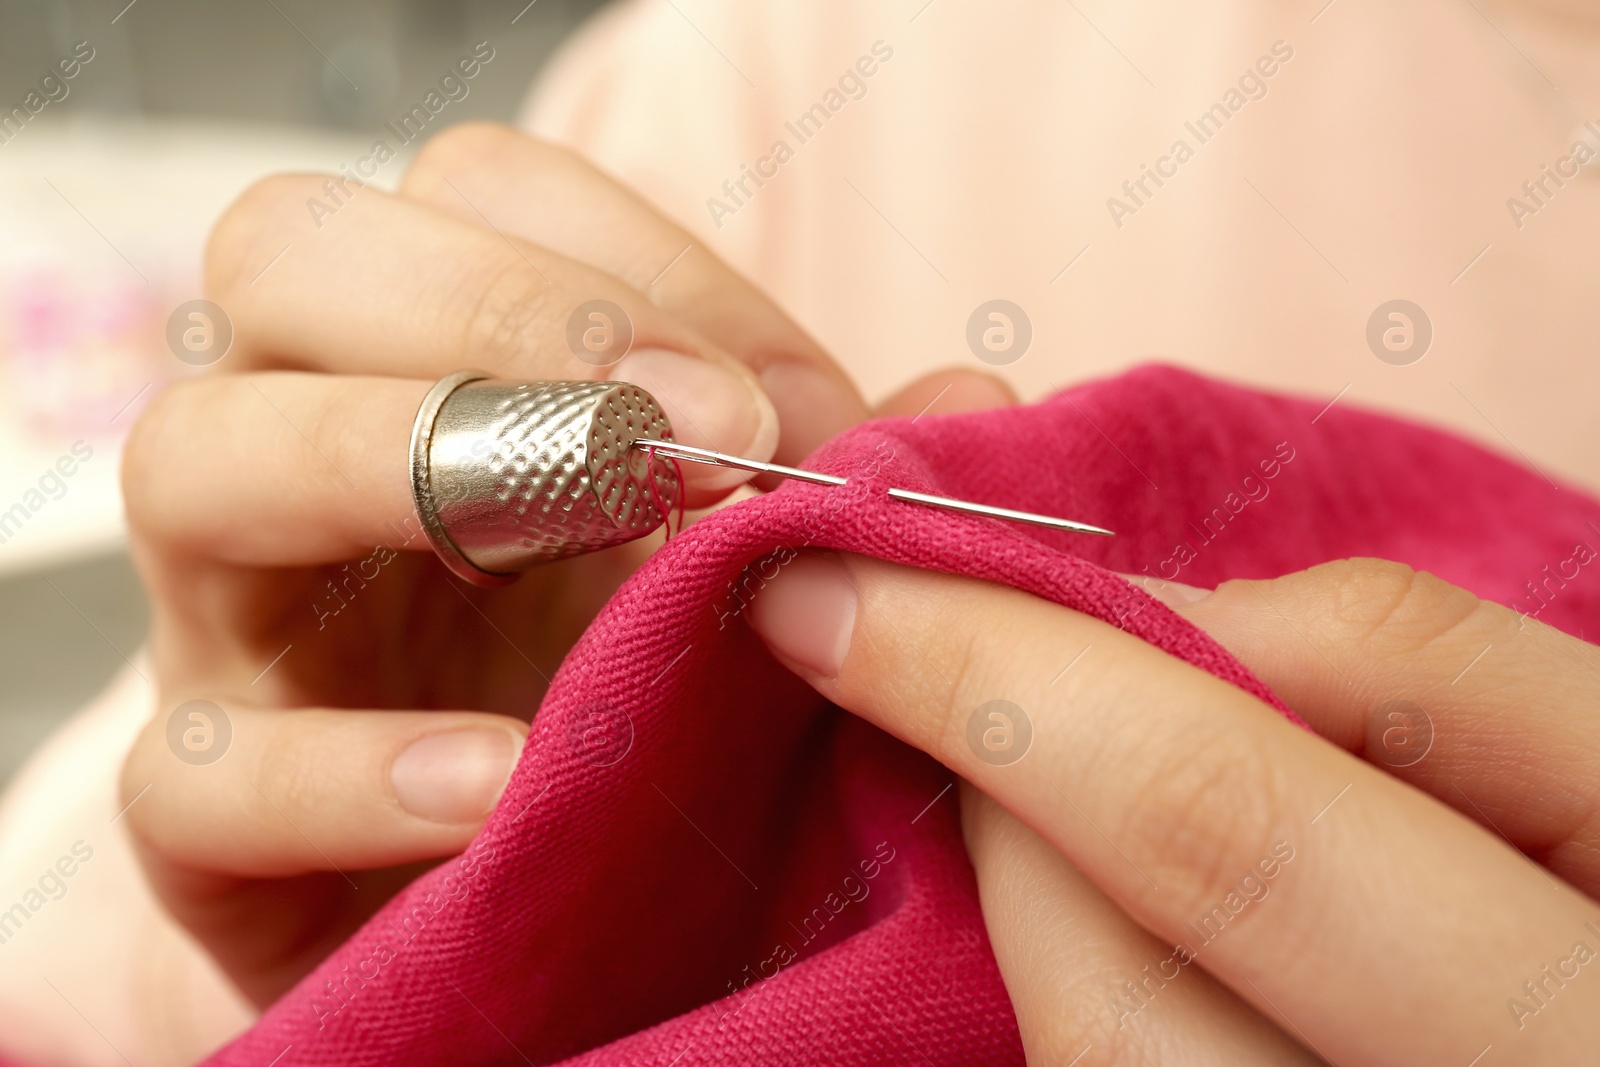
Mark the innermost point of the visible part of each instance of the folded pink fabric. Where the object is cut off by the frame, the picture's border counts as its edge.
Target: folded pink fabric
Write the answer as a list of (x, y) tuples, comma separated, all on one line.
[(698, 861)]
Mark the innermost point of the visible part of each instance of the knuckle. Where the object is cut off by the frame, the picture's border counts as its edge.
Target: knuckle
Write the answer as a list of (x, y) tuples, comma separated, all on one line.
[(973, 664), (462, 155), (507, 312), (1387, 610), (562, 161), (464, 147), (263, 213), (171, 807), (141, 767), (147, 454), (1205, 810)]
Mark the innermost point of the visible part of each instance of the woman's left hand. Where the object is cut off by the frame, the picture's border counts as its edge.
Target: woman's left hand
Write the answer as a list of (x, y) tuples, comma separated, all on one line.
[(1415, 885)]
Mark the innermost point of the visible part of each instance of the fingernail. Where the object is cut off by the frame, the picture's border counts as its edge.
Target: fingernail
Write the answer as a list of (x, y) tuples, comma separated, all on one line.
[(812, 407), (710, 406), (455, 776), (808, 613), (1172, 594)]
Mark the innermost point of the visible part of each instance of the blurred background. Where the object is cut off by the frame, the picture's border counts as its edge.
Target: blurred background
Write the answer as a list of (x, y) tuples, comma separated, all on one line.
[(109, 181)]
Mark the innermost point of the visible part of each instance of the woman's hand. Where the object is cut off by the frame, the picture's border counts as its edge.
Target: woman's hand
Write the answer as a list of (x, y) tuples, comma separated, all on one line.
[(1416, 885), (376, 705)]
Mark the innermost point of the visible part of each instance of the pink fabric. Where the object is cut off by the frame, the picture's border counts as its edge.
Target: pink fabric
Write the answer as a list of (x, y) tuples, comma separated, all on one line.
[(621, 890)]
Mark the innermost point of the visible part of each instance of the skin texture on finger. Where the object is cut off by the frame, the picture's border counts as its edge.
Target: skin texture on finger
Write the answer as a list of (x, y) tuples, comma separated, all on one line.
[(1316, 887), (267, 934), (1489, 711), (1089, 985), (296, 468), (318, 790), (308, 821), (497, 176), (390, 286)]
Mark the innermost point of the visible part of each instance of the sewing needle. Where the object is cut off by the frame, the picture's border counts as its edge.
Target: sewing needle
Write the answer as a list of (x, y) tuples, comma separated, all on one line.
[(692, 454)]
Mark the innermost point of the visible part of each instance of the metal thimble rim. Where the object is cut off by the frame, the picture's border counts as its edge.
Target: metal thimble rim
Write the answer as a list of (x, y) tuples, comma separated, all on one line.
[(422, 483)]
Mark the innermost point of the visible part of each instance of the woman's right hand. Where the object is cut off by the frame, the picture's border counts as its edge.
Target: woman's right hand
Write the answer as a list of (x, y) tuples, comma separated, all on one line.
[(1171, 872), (376, 704)]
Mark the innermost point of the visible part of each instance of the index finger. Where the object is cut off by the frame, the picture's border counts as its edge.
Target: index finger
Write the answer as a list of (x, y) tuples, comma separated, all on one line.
[(497, 176), (388, 286), (1316, 887)]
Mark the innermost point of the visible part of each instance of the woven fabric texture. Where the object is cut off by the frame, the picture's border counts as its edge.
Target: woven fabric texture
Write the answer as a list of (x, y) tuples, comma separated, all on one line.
[(698, 861)]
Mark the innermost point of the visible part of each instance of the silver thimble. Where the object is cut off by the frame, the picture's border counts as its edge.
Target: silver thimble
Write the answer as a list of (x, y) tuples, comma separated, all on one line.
[(508, 474)]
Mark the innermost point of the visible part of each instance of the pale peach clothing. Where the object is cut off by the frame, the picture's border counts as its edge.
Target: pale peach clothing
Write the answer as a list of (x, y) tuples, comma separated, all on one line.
[(980, 161), (101, 973)]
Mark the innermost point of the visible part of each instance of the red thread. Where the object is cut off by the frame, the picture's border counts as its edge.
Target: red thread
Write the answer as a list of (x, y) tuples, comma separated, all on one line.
[(655, 499)]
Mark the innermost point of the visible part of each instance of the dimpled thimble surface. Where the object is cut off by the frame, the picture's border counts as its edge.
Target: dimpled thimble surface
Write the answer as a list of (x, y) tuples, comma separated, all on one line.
[(508, 474)]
